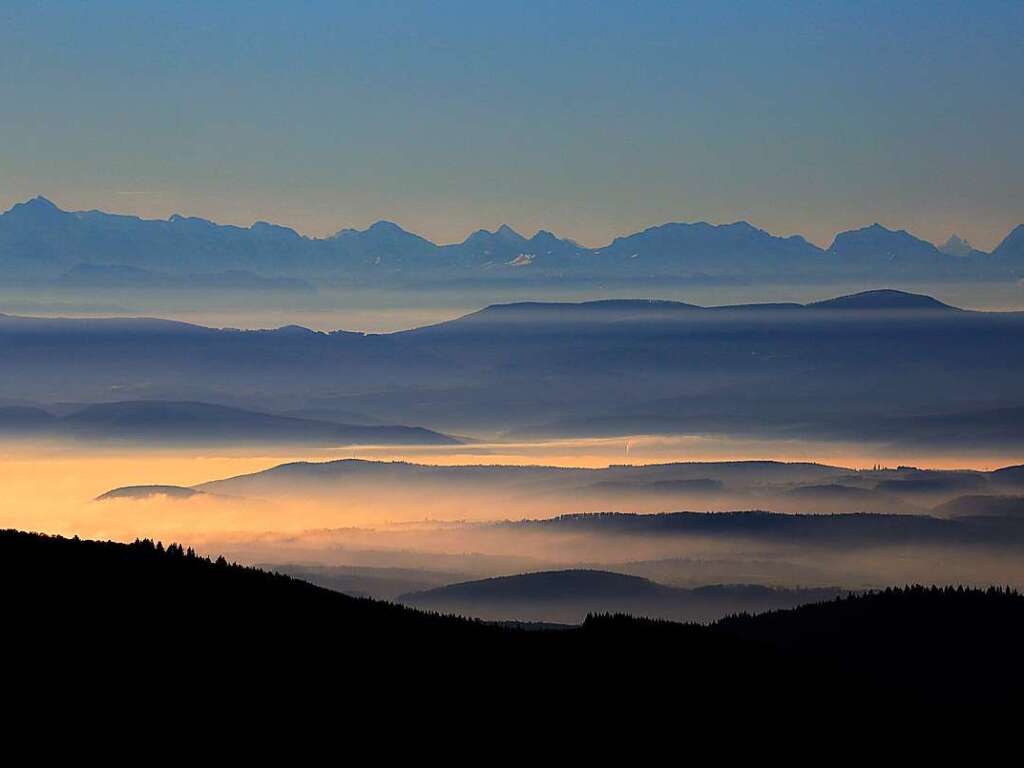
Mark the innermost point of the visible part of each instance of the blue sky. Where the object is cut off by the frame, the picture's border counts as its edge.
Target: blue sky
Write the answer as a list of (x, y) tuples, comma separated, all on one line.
[(588, 118)]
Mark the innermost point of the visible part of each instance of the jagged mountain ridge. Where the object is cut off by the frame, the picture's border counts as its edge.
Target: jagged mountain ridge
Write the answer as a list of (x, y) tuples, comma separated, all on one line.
[(40, 241)]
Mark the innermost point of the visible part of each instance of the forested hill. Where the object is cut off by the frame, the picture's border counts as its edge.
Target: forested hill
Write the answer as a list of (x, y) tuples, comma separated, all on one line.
[(109, 606)]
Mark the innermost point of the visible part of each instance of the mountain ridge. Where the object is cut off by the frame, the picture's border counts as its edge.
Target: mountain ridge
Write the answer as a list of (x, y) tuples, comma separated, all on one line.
[(39, 240), (557, 370), (880, 298)]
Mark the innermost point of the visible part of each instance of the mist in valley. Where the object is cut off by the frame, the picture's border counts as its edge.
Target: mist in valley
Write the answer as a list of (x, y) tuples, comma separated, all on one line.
[(398, 523)]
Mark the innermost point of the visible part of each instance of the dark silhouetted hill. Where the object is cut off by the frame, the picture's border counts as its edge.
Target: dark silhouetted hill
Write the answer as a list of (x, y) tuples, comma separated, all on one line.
[(115, 607), (567, 597)]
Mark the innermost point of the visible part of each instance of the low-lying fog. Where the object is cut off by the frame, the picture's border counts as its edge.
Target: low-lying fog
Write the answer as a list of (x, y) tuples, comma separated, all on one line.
[(364, 532)]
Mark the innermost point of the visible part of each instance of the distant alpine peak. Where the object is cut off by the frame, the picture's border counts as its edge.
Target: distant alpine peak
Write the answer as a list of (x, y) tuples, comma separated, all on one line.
[(880, 242), (42, 202), (744, 224), (873, 229), (1012, 245), (194, 221), (36, 205), (506, 231), (384, 226), (696, 225), (956, 246)]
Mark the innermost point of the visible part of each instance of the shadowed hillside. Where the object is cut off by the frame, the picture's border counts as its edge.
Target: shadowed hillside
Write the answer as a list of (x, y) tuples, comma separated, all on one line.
[(126, 602)]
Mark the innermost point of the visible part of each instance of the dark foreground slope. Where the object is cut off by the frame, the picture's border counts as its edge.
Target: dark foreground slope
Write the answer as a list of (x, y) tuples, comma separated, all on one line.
[(110, 607)]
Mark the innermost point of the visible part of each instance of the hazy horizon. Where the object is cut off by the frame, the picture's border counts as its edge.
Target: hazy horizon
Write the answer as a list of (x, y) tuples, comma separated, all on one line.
[(369, 310)]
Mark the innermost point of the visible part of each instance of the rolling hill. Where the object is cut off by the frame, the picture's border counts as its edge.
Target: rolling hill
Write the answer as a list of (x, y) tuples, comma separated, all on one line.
[(568, 597), (762, 484), (158, 422)]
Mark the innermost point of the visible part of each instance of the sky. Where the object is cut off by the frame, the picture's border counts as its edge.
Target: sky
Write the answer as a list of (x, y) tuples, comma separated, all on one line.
[(590, 119)]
